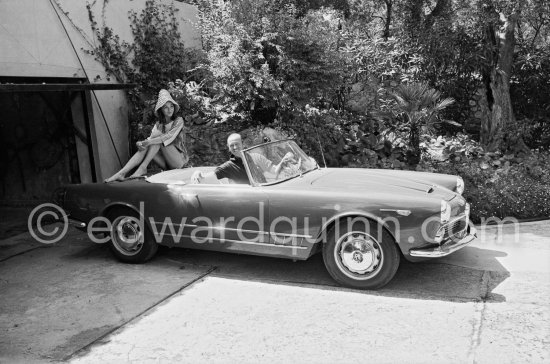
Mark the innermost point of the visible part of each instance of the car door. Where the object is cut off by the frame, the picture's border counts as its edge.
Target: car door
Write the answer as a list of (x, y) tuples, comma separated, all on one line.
[(227, 214), (295, 218)]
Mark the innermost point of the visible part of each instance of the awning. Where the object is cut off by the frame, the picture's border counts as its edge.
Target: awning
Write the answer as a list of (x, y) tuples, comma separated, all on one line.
[(46, 87)]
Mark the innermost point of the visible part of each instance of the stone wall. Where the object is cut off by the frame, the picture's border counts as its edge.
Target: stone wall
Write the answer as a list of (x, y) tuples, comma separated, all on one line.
[(477, 106)]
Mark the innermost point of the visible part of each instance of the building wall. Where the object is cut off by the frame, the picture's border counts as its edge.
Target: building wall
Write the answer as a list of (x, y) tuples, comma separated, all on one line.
[(111, 130), (43, 38), (110, 108)]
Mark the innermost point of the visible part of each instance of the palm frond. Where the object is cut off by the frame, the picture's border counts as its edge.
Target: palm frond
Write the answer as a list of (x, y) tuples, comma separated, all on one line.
[(416, 107), (444, 103)]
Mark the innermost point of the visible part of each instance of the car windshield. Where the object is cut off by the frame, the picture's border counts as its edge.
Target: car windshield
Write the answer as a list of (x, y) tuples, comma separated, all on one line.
[(277, 161)]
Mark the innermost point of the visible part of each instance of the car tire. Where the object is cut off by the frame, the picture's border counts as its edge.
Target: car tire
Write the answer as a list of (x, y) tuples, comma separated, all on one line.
[(130, 241), (360, 253)]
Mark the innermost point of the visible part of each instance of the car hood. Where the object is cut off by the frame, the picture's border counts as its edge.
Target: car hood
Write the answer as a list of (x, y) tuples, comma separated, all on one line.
[(392, 182)]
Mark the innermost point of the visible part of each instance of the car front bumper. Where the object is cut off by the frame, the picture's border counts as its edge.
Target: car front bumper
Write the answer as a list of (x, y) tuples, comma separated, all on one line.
[(445, 248)]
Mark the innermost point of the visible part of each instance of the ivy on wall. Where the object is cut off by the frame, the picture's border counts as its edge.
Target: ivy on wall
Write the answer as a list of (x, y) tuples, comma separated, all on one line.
[(156, 56)]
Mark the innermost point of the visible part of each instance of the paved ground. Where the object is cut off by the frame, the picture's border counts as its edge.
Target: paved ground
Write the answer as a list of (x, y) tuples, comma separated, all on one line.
[(13, 221), (71, 301)]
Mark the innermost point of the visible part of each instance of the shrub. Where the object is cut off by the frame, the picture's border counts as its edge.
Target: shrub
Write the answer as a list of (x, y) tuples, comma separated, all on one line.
[(414, 108), (501, 185), (265, 63)]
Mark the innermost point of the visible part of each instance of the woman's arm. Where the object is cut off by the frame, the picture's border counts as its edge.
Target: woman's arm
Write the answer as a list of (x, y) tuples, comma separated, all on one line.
[(166, 136)]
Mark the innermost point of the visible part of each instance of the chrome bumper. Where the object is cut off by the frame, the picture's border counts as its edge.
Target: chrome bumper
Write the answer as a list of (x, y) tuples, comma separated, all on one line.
[(446, 248)]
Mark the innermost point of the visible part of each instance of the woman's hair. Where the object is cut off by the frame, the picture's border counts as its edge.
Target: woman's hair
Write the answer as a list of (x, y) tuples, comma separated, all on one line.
[(160, 115)]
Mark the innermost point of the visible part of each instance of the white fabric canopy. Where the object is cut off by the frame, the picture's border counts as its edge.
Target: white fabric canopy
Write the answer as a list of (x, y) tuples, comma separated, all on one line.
[(42, 38), (33, 42)]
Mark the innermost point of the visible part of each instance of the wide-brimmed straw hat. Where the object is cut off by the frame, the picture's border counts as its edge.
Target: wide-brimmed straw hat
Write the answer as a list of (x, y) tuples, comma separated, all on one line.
[(164, 97)]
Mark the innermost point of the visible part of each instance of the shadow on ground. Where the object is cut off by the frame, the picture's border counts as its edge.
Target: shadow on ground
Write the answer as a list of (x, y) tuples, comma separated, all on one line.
[(425, 280), (57, 299)]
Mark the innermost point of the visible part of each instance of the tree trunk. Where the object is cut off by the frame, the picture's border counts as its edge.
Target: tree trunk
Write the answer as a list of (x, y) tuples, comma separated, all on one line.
[(498, 127), (413, 18), (499, 115), (387, 21), (414, 152)]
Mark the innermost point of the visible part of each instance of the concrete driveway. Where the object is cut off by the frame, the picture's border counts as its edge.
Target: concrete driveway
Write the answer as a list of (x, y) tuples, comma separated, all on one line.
[(72, 301)]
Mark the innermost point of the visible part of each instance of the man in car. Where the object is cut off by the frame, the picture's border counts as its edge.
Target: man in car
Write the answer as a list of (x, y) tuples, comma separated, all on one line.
[(234, 168)]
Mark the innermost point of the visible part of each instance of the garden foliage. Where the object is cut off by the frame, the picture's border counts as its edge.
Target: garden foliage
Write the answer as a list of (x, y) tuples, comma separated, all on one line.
[(359, 83), (495, 184)]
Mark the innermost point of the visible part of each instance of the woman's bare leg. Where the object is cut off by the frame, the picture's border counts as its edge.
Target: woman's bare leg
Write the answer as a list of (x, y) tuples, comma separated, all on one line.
[(134, 161), (159, 160), (172, 156), (152, 150)]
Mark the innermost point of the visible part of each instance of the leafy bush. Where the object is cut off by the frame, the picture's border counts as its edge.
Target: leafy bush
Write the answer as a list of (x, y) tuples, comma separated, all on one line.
[(529, 90), (159, 52), (457, 148), (499, 185), (535, 132), (264, 62)]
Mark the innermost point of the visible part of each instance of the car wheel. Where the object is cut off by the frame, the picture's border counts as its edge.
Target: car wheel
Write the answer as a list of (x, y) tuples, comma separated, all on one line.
[(130, 241), (360, 253)]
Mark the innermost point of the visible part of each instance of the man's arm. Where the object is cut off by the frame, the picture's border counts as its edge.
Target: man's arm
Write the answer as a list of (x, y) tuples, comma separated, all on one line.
[(267, 166), (220, 172), (198, 176), (288, 158)]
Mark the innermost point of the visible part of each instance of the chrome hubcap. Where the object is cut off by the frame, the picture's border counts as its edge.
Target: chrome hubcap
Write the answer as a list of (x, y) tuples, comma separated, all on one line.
[(359, 254), (127, 235)]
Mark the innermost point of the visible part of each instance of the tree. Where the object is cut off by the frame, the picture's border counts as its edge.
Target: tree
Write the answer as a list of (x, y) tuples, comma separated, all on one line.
[(498, 124), (481, 34)]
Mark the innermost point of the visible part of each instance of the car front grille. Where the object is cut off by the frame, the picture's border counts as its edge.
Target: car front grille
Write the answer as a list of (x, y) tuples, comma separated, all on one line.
[(455, 229)]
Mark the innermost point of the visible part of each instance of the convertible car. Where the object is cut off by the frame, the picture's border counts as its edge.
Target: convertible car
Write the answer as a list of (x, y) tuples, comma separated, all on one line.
[(363, 221)]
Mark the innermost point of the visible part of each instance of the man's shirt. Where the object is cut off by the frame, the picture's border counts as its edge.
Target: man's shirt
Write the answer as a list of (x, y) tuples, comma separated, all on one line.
[(234, 170)]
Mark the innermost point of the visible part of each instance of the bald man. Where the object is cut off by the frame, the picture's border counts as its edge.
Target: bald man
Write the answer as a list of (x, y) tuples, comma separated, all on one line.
[(234, 168)]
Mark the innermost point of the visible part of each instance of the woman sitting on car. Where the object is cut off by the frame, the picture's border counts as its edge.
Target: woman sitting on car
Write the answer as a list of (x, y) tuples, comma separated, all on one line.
[(165, 146)]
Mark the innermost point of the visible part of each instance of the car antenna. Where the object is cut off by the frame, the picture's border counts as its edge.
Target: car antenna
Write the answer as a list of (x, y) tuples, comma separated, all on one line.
[(320, 146)]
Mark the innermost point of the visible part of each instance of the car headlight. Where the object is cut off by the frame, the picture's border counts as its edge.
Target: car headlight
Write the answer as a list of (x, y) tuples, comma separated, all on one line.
[(445, 211), (459, 185)]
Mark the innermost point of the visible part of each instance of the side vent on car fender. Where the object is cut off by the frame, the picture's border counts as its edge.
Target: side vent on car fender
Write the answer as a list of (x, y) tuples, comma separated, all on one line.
[(398, 212)]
